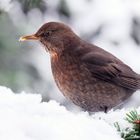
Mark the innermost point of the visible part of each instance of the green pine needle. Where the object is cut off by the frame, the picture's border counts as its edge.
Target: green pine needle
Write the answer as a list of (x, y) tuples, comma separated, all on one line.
[(133, 132)]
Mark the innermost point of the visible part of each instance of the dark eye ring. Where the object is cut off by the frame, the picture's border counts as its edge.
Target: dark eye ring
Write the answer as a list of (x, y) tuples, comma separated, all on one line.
[(47, 33)]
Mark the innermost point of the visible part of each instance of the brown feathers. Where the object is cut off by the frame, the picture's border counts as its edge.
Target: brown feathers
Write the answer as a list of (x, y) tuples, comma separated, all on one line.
[(89, 76)]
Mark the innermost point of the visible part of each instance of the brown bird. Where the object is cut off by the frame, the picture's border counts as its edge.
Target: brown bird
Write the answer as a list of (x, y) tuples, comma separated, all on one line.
[(89, 76)]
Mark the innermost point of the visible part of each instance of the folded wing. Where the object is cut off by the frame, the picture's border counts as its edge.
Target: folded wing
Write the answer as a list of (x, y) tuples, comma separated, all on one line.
[(107, 67)]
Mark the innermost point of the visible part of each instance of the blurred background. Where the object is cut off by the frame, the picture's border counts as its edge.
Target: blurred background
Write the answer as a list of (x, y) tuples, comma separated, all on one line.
[(111, 24)]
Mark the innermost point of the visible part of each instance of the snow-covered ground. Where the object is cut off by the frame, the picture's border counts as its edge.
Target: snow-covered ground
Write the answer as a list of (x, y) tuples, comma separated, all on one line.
[(24, 117)]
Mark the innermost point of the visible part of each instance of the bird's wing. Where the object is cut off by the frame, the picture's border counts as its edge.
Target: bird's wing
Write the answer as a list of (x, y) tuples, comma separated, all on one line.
[(107, 67)]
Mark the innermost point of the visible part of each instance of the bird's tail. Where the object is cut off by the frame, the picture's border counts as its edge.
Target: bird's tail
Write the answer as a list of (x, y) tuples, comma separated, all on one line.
[(139, 82), (139, 85)]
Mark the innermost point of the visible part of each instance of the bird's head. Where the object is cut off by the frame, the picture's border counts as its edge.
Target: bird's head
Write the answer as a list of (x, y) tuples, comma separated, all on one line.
[(53, 35)]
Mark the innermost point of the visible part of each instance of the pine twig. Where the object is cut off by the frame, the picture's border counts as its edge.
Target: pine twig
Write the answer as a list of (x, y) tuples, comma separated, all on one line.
[(130, 133)]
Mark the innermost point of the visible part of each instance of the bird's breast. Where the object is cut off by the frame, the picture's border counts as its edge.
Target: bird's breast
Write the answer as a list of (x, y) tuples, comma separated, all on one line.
[(71, 76)]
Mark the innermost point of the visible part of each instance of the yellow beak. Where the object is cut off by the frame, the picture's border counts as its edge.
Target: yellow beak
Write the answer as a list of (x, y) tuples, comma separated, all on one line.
[(29, 37)]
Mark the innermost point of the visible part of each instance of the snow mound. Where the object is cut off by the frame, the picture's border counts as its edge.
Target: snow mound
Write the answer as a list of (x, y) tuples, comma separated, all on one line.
[(24, 117)]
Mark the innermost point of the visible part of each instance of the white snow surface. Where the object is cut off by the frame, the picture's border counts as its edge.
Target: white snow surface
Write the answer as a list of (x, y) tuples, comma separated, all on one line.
[(24, 117)]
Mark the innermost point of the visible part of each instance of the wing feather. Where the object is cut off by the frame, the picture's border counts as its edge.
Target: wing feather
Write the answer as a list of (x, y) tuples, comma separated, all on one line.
[(107, 67)]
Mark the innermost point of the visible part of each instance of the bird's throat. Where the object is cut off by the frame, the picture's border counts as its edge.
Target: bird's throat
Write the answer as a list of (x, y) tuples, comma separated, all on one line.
[(54, 55)]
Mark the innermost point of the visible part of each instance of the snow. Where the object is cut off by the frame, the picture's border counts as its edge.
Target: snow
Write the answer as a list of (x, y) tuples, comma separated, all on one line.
[(23, 116), (6, 5)]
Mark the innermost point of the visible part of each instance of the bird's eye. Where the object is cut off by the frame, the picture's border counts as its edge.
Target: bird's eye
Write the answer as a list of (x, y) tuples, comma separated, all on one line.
[(47, 33)]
